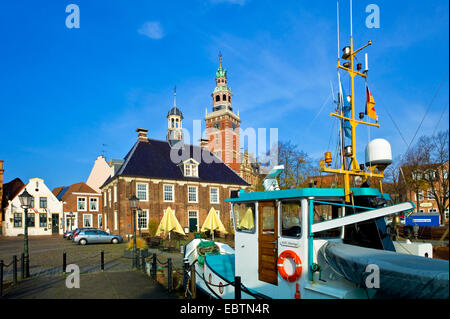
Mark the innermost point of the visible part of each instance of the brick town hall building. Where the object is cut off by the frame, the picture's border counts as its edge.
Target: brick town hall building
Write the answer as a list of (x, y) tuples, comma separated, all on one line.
[(190, 179)]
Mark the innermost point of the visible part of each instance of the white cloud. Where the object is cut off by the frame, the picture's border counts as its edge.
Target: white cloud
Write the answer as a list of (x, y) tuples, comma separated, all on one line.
[(152, 29)]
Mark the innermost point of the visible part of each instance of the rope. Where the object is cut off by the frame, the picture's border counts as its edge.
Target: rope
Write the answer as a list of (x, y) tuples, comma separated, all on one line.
[(162, 263), (7, 265)]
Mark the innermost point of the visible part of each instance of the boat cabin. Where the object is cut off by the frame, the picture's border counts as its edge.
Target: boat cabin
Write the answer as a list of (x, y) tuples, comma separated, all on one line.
[(269, 223)]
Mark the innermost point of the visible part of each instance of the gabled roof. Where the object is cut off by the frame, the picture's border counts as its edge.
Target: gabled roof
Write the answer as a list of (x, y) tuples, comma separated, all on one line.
[(63, 192), (152, 159), (10, 190)]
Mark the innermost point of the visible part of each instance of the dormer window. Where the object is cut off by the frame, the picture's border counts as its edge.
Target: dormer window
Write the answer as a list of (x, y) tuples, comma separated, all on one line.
[(190, 168)]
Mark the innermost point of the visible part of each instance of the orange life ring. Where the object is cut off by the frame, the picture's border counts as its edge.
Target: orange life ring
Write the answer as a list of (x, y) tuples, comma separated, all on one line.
[(298, 265)]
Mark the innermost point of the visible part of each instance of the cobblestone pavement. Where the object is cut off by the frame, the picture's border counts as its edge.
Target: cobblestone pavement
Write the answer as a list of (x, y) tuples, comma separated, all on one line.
[(98, 285), (46, 255)]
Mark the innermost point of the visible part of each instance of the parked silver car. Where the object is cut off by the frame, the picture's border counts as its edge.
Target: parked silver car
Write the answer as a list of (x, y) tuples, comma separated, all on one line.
[(96, 236)]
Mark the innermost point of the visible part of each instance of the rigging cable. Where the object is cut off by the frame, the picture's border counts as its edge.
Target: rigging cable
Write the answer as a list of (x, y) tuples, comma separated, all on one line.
[(428, 109)]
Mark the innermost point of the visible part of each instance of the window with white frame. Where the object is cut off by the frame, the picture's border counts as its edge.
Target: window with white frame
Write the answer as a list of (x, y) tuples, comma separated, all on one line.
[(432, 210), (109, 197), (214, 195), (87, 220), (115, 193), (142, 219), (100, 220), (192, 194), (105, 202), (81, 204), (168, 193), (420, 196), (142, 191), (446, 213), (93, 204), (115, 220), (190, 168), (430, 195)]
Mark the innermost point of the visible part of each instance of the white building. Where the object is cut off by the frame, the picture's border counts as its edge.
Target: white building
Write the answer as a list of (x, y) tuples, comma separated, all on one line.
[(45, 216)]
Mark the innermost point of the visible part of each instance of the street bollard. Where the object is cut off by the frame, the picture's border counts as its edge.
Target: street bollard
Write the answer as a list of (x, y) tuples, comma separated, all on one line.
[(169, 275), (185, 273), (143, 262), (22, 266), (154, 266), (237, 287), (137, 258), (1, 278), (64, 262), (193, 283), (15, 269), (102, 260)]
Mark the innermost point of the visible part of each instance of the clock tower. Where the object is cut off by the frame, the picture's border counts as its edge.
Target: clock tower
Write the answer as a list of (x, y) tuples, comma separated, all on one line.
[(222, 124)]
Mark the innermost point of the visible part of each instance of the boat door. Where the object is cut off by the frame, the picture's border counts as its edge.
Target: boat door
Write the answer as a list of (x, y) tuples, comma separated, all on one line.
[(267, 242)]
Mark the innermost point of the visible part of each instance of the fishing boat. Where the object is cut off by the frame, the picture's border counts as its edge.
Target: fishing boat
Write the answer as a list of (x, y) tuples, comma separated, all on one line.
[(321, 243)]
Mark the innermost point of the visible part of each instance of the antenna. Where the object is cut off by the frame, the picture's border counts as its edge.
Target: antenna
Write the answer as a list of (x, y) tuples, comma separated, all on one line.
[(103, 150), (351, 18), (367, 63), (338, 45)]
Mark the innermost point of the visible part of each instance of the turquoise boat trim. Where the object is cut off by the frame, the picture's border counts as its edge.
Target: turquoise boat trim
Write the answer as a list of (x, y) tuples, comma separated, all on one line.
[(303, 192), (310, 239), (346, 205), (222, 266)]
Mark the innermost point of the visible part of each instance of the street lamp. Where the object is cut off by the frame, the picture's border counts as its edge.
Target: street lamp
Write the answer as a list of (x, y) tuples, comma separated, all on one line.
[(25, 201), (139, 224), (134, 202)]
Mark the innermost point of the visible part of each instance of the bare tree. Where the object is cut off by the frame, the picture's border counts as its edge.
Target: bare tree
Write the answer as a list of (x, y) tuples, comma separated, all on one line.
[(393, 182), (297, 165), (425, 168)]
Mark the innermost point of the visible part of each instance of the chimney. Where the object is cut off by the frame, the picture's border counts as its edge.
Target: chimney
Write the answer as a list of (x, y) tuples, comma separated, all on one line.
[(142, 134), (204, 143)]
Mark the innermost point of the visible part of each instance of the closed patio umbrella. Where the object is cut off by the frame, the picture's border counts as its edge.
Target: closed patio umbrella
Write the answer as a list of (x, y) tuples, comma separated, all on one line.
[(212, 223), (247, 222), (169, 223)]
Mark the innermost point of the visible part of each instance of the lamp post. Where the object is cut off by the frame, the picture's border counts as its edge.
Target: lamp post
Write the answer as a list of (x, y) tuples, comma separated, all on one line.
[(139, 224), (25, 201), (134, 202)]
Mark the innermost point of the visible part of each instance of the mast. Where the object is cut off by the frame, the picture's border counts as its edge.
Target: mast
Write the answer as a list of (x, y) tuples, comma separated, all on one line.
[(349, 151)]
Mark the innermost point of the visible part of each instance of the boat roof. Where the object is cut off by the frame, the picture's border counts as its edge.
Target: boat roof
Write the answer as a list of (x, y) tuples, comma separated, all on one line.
[(323, 193)]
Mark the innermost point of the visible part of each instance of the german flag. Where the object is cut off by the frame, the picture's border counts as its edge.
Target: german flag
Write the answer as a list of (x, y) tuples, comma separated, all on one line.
[(370, 105)]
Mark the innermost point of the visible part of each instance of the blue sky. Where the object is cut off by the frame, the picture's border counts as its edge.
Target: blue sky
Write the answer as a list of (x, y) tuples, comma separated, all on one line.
[(66, 92)]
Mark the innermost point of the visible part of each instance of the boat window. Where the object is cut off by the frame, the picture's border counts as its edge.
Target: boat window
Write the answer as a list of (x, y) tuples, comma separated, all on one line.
[(323, 212), (291, 225), (268, 227), (244, 217)]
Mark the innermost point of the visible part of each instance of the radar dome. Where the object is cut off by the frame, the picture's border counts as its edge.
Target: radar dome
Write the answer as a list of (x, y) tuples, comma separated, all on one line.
[(378, 152)]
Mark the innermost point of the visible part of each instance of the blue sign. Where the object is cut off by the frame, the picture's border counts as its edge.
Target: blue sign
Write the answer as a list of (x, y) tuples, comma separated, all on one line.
[(423, 219)]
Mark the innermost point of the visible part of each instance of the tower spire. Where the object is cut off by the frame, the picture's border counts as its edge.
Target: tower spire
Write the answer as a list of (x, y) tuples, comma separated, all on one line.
[(175, 96), (220, 59)]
